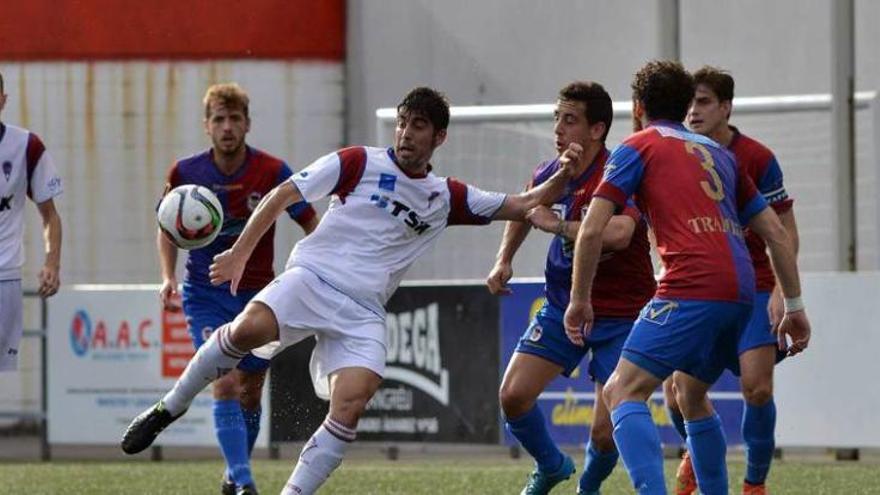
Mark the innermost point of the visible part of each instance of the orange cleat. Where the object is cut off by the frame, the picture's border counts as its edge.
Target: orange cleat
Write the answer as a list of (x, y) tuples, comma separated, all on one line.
[(750, 489), (685, 479)]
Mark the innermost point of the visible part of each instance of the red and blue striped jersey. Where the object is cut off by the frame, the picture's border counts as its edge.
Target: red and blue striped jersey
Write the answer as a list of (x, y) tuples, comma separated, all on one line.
[(624, 279), (696, 201), (758, 162), (239, 194)]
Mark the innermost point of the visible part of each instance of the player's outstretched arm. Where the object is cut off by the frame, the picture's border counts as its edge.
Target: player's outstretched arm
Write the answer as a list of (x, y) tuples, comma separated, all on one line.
[(587, 250), (229, 265), (616, 236), (516, 206), (794, 323), (49, 275), (514, 235)]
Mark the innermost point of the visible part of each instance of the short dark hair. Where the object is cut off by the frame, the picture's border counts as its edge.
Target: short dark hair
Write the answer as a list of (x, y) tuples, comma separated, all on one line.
[(718, 80), (595, 99), (429, 103), (665, 89)]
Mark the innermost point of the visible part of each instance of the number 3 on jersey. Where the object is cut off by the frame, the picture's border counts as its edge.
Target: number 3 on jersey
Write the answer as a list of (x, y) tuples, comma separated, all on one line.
[(715, 190)]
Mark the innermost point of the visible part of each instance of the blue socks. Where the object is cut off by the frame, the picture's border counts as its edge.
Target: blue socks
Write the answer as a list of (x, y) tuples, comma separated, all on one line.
[(705, 440), (597, 467), (678, 422), (758, 426), (531, 431), (639, 445), (232, 435), (252, 425)]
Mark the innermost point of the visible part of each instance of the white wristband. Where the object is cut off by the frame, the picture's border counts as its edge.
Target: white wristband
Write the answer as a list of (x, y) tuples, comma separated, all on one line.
[(793, 304)]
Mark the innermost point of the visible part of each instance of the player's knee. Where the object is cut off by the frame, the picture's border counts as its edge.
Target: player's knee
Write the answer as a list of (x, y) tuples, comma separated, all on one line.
[(514, 402), (226, 387), (757, 393), (610, 393), (251, 392), (348, 410)]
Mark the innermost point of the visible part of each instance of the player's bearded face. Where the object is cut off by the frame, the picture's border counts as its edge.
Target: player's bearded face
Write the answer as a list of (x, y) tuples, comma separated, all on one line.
[(415, 140), (706, 113), (227, 128)]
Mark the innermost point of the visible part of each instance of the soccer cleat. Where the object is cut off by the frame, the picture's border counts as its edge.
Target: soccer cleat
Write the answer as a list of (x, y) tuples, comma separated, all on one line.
[(247, 490), (227, 486), (685, 479), (540, 483), (750, 489), (146, 427)]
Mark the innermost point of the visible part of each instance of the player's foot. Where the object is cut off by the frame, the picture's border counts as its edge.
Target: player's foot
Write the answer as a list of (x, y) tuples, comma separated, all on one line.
[(146, 427), (685, 479), (750, 489), (541, 483), (247, 490), (227, 486)]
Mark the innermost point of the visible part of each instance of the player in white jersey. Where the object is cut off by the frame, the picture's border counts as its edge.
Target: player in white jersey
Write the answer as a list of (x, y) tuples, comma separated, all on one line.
[(27, 170), (387, 208)]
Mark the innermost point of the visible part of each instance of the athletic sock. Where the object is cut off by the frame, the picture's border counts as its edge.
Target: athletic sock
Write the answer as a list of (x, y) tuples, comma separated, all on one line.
[(319, 457), (252, 425), (213, 359), (758, 427), (639, 445), (707, 446), (678, 422), (531, 431), (232, 436), (597, 467)]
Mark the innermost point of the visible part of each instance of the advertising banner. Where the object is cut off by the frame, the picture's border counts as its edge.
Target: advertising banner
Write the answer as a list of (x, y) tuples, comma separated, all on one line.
[(567, 403), (441, 375), (111, 354)]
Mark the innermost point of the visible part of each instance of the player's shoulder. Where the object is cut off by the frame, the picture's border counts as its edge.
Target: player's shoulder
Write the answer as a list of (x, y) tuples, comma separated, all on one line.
[(193, 161), (545, 169), (18, 135), (747, 146)]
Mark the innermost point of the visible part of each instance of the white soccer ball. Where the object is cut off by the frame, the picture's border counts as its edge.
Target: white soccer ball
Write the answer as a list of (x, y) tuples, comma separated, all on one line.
[(190, 216)]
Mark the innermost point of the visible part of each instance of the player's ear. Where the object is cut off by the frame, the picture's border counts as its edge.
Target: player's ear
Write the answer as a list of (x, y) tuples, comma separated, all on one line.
[(726, 106), (597, 130), (439, 137)]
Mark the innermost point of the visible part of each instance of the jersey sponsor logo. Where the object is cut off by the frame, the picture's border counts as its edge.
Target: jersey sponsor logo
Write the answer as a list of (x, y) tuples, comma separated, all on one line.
[(12, 352), (7, 169), (253, 200), (402, 212), (413, 351), (54, 185), (708, 225), (387, 181), (659, 311), (6, 202)]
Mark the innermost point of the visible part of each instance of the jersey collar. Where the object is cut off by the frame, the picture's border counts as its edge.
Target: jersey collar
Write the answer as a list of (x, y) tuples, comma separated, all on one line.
[(411, 175), (667, 123), (736, 136), (597, 164)]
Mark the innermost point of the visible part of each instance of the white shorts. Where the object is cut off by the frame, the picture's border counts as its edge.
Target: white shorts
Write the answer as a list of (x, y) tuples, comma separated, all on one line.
[(11, 323), (347, 334)]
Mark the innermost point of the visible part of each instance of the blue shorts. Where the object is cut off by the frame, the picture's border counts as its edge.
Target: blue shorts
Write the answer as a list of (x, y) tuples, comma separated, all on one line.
[(208, 308), (696, 337), (545, 337), (756, 334)]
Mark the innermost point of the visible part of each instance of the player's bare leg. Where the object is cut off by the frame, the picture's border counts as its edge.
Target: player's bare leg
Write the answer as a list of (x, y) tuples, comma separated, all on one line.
[(685, 479), (254, 327), (350, 391), (635, 434), (527, 375), (601, 453), (705, 438), (759, 415)]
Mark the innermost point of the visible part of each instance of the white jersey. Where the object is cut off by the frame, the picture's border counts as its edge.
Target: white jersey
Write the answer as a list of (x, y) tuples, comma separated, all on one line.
[(379, 221), (27, 170)]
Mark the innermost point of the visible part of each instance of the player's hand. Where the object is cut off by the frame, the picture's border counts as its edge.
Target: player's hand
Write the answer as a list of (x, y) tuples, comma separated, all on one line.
[(578, 321), (228, 266), (49, 280), (498, 278), (543, 218), (796, 327), (570, 158), (775, 309), (168, 295)]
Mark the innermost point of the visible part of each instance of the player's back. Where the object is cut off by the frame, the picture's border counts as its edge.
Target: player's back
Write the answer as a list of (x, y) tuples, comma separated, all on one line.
[(689, 188)]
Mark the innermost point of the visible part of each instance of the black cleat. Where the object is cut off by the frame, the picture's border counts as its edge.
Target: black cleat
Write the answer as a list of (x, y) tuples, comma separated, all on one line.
[(227, 487), (247, 490), (146, 427)]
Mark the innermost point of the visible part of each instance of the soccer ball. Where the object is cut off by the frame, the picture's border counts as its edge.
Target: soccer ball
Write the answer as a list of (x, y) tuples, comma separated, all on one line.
[(190, 216)]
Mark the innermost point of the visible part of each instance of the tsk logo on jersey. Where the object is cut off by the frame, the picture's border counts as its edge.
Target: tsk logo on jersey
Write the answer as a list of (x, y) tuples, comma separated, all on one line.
[(387, 181), (400, 211), (6, 202), (253, 200), (413, 351), (7, 169), (100, 341)]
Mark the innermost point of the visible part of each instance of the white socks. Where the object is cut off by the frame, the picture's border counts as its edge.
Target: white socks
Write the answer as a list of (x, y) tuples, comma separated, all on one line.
[(321, 455), (215, 358)]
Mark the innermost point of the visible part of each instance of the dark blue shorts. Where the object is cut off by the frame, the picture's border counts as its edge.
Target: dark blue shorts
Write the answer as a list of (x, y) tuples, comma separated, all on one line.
[(545, 337), (696, 337), (756, 334), (208, 308)]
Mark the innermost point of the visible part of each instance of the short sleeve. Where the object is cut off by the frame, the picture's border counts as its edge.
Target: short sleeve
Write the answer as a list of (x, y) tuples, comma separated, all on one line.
[(749, 202), (632, 211), (469, 205), (43, 182), (302, 212), (336, 173), (622, 175), (772, 186)]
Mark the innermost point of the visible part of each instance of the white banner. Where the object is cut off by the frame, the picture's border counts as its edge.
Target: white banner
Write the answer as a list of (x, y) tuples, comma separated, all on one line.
[(113, 353)]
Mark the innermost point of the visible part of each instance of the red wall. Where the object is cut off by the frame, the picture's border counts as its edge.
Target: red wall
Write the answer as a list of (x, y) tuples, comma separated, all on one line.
[(176, 29)]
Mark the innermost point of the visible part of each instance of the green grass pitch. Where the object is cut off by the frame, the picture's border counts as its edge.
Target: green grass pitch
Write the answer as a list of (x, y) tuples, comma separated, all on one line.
[(467, 475)]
